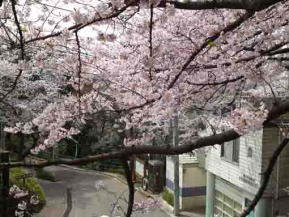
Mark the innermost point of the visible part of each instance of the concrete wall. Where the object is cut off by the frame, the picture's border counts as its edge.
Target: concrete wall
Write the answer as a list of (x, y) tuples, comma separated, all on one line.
[(192, 184), (245, 177), (280, 176)]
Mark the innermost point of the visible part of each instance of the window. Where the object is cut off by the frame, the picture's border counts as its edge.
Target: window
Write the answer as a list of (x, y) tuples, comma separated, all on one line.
[(226, 206), (250, 152), (230, 151)]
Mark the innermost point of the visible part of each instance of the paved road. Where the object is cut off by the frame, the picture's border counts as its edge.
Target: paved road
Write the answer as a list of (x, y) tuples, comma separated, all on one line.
[(87, 201)]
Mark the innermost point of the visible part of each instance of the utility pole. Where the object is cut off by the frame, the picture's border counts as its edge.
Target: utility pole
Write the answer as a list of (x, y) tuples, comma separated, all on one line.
[(176, 166)]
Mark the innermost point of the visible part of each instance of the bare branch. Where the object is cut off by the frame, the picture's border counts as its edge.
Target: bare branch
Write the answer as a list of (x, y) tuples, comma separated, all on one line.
[(79, 70)]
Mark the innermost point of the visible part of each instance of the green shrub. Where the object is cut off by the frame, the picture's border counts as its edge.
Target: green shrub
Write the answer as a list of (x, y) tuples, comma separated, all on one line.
[(44, 174), (168, 196), (29, 184)]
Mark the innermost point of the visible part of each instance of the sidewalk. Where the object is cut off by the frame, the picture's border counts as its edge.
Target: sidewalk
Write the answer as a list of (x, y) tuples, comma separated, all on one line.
[(169, 209)]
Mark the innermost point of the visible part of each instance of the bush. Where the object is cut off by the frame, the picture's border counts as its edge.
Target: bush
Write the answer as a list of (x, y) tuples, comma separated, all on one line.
[(168, 196), (33, 188), (44, 174)]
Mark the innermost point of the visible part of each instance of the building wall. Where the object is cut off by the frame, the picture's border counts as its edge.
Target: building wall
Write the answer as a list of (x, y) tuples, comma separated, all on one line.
[(247, 173), (231, 201), (192, 180), (241, 181), (139, 167), (280, 176)]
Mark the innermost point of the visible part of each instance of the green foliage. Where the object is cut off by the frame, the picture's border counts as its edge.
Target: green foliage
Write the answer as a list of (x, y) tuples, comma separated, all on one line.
[(46, 154), (211, 43), (168, 196), (31, 184), (44, 174)]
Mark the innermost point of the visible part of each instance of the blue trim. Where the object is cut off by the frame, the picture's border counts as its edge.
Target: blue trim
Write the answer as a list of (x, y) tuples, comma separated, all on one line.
[(170, 184), (188, 191), (193, 191)]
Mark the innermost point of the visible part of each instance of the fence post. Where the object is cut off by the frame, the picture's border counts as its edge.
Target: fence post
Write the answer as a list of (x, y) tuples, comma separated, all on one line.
[(4, 185)]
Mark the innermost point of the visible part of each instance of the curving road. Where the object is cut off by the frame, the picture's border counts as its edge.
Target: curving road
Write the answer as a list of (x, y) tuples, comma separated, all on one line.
[(81, 187)]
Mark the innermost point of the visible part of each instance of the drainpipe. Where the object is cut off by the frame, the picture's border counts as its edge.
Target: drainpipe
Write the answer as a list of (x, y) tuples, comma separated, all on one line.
[(210, 194), (176, 168), (277, 180)]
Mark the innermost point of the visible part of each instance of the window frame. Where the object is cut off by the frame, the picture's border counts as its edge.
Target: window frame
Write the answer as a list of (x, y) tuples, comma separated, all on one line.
[(222, 207), (234, 156)]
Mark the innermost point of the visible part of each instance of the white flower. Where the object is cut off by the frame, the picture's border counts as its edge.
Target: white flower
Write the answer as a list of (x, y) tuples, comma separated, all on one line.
[(22, 205), (34, 200), (19, 213)]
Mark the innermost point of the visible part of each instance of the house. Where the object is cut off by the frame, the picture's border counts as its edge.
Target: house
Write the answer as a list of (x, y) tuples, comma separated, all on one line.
[(234, 173), (192, 181)]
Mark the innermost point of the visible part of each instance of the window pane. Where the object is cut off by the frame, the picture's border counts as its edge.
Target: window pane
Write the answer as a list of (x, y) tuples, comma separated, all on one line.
[(218, 203), (236, 148), (219, 195), (228, 209), (237, 206), (225, 215), (229, 201), (236, 214), (226, 206), (222, 150), (228, 150), (218, 212)]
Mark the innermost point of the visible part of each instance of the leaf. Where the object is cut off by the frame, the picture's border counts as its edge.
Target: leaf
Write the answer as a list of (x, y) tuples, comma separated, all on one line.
[(211, 43)]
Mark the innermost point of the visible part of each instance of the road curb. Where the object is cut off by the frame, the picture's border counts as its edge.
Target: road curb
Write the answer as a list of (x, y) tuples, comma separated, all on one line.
[(168, 209), (112, 175)]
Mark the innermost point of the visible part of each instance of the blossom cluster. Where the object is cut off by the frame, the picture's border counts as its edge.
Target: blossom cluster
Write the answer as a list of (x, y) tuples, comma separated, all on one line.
[(85, 57), (21, 196)]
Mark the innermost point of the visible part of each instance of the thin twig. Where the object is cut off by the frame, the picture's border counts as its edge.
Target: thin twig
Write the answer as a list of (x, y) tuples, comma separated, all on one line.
[(151, 38), (22, 49), (79, 70)]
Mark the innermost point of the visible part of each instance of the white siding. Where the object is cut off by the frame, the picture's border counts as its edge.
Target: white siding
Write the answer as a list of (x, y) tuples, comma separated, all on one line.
[(246, 173), (271, 139), (188, 158)]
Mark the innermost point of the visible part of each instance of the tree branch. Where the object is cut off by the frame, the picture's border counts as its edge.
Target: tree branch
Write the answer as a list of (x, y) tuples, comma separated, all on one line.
[(201, 142), (151, 38), (22, 49), (206, 43), (80, 26), (266, 177), (255, 5), (217, 82), (130, 187)]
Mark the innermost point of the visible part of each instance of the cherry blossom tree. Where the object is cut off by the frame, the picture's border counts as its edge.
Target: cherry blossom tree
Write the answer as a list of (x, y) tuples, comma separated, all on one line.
[(221, 64)]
